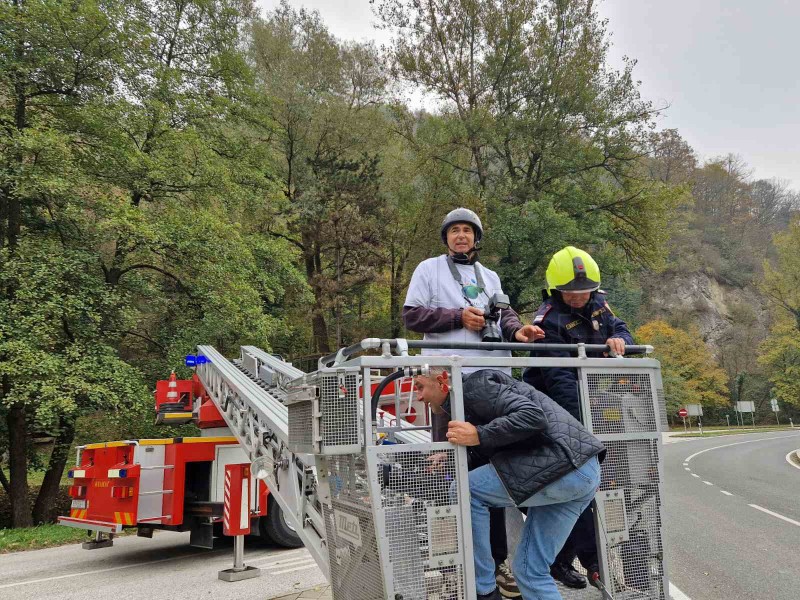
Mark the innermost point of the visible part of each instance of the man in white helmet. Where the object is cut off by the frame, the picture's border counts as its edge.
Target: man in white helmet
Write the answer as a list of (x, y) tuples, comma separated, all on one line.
[(446, 301)]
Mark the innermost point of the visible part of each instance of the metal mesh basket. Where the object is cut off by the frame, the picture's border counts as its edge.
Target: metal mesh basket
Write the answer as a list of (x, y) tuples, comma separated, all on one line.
[(625, 413), (621, 402), (324, 413), (413, 548), (629, 513)]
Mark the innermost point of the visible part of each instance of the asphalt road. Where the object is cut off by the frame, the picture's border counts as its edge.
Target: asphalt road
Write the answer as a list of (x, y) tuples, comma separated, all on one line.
[(721, 542), (164, 567)]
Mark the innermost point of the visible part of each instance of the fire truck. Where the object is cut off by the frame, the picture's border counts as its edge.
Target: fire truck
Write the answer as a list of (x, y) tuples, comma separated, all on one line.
[(176, 484), (345, 454)]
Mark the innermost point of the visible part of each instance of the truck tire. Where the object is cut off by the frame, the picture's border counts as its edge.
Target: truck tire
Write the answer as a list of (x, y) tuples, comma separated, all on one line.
[(274, 528)]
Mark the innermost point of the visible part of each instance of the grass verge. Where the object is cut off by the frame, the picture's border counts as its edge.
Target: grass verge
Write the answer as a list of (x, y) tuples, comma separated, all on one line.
[(733, 431), (42, 536)]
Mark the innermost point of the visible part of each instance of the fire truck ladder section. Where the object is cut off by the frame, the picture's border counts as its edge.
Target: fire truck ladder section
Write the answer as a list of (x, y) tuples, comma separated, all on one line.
[(385, 511)]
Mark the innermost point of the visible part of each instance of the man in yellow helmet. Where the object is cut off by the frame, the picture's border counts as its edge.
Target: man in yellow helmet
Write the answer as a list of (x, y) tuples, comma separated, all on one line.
[(575, 311)]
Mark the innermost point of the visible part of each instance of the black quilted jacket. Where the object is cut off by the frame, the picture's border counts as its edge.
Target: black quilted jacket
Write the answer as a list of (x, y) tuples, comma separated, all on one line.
[(530, 440)]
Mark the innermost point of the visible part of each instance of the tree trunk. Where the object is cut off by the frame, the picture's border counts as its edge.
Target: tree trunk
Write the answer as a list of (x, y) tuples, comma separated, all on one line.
[(313, 274), (18, 463), (396, 286), (48, 493)]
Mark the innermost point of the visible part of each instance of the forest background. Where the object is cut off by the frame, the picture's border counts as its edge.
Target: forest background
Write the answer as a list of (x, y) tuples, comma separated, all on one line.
[(175, 172)]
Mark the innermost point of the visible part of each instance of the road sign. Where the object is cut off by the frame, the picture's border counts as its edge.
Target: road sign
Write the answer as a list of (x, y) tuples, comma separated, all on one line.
[(746, 407), (775, 407), (695, 410), (683, 413)]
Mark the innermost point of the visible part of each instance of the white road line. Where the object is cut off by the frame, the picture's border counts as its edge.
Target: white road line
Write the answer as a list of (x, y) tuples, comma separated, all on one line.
[(790, 461), (726, 493), (292, 570), (684, 464), (281, 557), (707, 482), (689, 458), (695, 475), (297, 563), (774, 514), (687, 469), (676, 594)]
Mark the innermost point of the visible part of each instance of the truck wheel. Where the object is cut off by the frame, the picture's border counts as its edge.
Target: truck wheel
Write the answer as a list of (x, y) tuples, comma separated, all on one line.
[(273, 527)]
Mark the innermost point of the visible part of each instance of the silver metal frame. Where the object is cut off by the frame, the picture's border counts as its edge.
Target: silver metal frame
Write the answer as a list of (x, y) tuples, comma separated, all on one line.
[(256, 413)]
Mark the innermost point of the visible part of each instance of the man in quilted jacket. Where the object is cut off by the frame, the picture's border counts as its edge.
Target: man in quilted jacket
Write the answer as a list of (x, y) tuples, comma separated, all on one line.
[(524, 450)]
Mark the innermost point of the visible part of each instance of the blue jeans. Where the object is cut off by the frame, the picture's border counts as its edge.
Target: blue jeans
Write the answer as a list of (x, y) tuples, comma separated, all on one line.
[(551, 515)]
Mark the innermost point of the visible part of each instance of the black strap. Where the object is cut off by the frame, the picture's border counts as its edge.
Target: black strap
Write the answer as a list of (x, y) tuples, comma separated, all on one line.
[(457, 276)]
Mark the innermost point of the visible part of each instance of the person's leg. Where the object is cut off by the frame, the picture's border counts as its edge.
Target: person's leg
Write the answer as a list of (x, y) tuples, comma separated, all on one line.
[(486, 490), (585, 538), (497, 534), (552, 513)]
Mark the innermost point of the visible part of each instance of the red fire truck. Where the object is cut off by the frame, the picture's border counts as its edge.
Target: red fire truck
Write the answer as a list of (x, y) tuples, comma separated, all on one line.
[(173, 483)]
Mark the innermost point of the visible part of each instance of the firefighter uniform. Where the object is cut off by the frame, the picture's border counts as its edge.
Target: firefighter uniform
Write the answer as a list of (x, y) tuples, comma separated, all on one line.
[(573, 271), (593, 324)]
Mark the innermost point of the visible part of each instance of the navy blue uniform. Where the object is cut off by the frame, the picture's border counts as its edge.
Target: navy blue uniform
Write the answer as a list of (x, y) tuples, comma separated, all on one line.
[(562, 324)]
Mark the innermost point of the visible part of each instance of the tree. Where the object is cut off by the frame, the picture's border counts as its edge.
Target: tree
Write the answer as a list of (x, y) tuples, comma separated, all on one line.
[(128, 198), (779, 354), (551, 138), (689, 370), (782, 280), (54, 57), (323, 121)]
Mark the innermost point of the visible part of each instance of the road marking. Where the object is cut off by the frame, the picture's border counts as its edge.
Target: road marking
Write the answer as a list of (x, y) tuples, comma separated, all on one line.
[(726, 493), (676, 594), (689, 458), (277, 558), (684, 464), (774, 514), (314, 566), (688, 469), (707, 482), (695, 475), (790, 461)]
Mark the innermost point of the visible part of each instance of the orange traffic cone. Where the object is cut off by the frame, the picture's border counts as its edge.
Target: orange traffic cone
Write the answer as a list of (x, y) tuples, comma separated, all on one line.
[(172, 393)]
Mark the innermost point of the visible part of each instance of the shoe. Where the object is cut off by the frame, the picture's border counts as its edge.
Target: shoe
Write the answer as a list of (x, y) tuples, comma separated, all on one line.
[(593, 575), (567, 575), (505, 581), (495, 595)]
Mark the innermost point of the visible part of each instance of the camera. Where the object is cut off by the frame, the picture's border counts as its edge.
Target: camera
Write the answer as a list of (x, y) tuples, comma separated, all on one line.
[(491, 331)]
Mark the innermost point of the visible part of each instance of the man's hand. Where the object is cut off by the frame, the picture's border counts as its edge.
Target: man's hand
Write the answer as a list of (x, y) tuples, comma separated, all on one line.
[(617, 346), (529, 333), (462, 433), (472, 318), (436, 462)]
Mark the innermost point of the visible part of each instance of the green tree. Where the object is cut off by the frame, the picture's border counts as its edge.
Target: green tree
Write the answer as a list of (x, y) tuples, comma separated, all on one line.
[(689, 370), (54, 58), (779, 354), (552, 139), (325, 125)]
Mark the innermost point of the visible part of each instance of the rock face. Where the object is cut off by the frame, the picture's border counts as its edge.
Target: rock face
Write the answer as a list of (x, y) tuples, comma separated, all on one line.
[(714, 307)]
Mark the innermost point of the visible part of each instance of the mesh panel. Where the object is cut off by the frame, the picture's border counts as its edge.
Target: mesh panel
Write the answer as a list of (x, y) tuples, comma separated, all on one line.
[(301, 428), (634, 567), (339, 407), (422, 523), (621, 403), (350, 532), (662, 409)]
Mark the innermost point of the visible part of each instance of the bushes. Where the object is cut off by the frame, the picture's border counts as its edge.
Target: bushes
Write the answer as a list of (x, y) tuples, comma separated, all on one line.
[(61, 506)]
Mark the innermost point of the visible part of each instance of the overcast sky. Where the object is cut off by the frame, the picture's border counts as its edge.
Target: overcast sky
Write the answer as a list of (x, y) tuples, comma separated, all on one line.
[(729, 69)]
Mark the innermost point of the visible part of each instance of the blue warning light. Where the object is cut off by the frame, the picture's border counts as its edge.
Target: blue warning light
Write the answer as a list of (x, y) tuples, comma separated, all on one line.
[(191, 360)]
